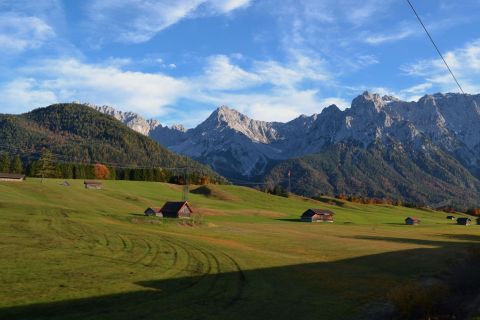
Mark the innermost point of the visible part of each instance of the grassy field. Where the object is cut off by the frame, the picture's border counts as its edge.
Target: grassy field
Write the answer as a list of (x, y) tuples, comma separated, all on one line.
[(71, 253)]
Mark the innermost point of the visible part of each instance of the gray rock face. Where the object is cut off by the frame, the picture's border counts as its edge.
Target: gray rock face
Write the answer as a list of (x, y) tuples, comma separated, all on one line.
[(240, 147), (152, 128)]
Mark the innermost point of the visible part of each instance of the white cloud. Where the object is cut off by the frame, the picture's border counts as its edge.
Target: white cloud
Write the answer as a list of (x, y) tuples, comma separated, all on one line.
[(137, 21), (221, 74), (70, 79), (19, 33), (464, 62), (229, 5), (394, 36), (23, 95)]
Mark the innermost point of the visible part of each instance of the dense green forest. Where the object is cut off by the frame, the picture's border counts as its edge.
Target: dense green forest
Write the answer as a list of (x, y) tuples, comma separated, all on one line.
[(48, 167), (78, 137)]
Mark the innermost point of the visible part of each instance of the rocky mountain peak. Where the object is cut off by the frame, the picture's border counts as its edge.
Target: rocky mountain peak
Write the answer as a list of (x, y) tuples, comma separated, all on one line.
[(368, 102), (130, 119), (331, 109), (225, 118), (178, 127)]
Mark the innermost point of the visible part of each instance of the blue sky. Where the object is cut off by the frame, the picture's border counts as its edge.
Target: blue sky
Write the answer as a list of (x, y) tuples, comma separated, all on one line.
[(177, 60)]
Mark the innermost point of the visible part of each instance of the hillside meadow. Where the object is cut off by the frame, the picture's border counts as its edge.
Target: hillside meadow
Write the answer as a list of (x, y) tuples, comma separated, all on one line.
[(72, 253)]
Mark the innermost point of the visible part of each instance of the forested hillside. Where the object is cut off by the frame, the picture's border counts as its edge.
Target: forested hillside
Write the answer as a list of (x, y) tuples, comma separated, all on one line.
[(381, 171), (75, 133)]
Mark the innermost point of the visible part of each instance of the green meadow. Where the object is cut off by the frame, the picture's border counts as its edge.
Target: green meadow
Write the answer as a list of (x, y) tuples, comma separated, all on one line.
[(72, 253)]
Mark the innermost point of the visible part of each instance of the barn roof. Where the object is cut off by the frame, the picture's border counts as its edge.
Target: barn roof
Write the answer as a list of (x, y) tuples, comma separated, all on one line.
[(91, 182), (12, 175), (311, 212), (463, 219), (413, 219), (174, 206)]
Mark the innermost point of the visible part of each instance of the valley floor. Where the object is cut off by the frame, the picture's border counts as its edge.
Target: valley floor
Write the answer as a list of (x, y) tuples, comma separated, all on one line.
[(71, 253)]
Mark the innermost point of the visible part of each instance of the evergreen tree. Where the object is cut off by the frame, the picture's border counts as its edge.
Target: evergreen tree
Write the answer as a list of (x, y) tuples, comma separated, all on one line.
[(45, 166), (5, 163), (113, 173), (17, 165)]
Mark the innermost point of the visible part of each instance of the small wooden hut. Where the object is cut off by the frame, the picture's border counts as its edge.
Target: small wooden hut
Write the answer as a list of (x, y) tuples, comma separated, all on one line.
[(12, 177), (91, 184), (451, 217), (412, 221), (179, 209), (317, 215), (464, 221), (153, 211)]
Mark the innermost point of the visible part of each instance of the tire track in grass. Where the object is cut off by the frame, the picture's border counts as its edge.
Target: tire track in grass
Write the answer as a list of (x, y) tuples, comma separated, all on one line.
[(241, 280)]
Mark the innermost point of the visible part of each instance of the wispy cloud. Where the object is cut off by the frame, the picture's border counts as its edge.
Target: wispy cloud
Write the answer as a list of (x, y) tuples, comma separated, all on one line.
[(138, 21), (20, 33), (388, 37), (464, 62)]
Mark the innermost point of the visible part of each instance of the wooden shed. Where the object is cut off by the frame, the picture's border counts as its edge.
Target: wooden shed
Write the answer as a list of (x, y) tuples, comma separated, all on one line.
[(91, 184), (450, 217), (13, 177), (154, 211), (317, 215), (464, 221), (176, 210), (412, 221)]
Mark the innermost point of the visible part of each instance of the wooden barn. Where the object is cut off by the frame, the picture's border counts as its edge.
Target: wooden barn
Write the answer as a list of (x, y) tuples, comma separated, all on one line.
[(13, 177), (464, 221), (90, 184), (450, 217), (153, 211), (176, 210), (317, 215), (411, 221)]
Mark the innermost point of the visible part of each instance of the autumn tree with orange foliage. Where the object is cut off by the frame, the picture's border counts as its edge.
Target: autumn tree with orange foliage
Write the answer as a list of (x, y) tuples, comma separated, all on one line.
[(101, 171), (474, 211)]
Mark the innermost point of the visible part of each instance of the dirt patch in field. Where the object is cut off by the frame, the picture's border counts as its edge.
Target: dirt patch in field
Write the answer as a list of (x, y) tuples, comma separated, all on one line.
[(261, 213), (214, 192), (209, 212)]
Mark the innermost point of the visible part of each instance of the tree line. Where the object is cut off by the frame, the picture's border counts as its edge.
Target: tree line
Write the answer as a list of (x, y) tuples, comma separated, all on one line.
[(48, 167)]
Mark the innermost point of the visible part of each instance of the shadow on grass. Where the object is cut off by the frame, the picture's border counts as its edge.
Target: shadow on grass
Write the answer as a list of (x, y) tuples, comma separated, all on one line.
[(398, 224), (343, 289), (289, 219)]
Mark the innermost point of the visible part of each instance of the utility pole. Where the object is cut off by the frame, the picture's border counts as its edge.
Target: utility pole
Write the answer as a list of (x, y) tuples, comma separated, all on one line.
[(289, 182), (186, 187)]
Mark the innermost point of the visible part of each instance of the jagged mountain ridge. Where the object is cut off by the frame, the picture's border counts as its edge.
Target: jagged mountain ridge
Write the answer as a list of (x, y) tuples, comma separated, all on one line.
[(448, 120)]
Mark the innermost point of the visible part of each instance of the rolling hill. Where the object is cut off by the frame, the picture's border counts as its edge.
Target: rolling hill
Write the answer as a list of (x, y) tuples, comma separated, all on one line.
[(78, 134)]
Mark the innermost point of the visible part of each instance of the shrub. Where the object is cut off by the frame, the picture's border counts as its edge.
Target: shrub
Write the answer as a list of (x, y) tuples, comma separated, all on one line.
[(413, 300)]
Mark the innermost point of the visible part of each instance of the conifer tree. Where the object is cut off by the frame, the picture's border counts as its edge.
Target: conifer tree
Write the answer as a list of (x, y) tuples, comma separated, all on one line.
[(17, 166), (45, 167), (5, 163)]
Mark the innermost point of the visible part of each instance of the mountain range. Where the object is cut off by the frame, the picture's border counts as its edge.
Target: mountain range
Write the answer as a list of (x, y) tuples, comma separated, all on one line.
[(424, 151)]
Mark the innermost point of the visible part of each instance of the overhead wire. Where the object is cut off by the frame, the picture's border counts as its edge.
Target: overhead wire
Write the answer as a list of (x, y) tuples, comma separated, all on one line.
[(435, 45)]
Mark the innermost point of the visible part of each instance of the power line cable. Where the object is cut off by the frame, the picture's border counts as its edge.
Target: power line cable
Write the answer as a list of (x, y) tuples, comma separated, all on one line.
[(435, 45)]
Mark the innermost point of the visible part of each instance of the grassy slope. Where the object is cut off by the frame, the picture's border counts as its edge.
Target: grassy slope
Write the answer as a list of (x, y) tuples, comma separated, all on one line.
[(71, 253)]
